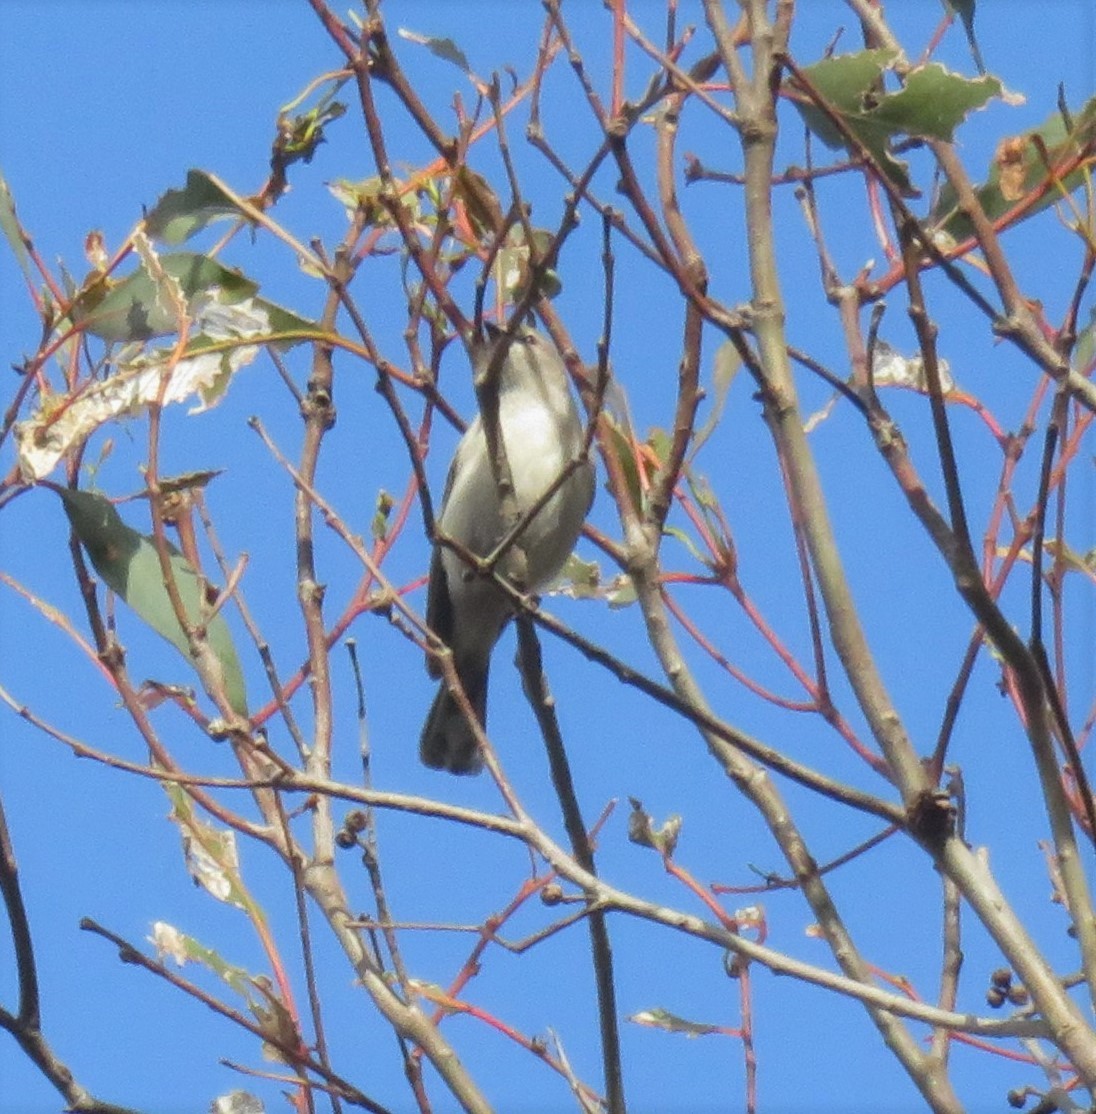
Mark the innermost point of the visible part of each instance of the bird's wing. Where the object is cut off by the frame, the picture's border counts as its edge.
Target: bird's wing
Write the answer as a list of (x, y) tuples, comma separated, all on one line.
[(439, 604), (439, 608)]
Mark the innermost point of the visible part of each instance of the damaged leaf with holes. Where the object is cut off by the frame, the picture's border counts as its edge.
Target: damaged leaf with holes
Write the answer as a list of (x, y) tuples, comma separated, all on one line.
[(256, 990), (12, 229), (130, 309), (133, 309), (931, 104), (642, 830), (1029, 172), (180, 214), (228, 328)]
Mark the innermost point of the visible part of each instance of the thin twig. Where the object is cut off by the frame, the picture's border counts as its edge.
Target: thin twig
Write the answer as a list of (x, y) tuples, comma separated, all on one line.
[(543, 705), (294, 1055)]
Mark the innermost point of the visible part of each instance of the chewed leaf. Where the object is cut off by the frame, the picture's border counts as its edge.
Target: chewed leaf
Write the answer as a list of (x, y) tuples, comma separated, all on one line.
[(169, 943), (849, 85), (180, 214), (301, 133), (934, 102), (132, 310), (891, 369), (931, 104), (237, 1102), (208, 868), (213, 863), (128, 563), (1029, 172), (182, 949), (843, 82), (445, 49), (275, 1021), (212, 358), (582, 580), (643, 831)]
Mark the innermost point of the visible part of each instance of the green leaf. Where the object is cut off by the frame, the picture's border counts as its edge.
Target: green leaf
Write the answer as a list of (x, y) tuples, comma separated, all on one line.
[(581, 580), (680, 535), (619, 443), (445, 49), (513, 267), (658, 1018), (843, 82), (12, 229), (300, 135), (381, 514), (1085, 349), (1019, 170), (229, 337), (934, 102), (621, 592), (850, 84), (210, 852), (643, 831), (170, 943), (363, 196), (179, 214), (128, 563), (584, 577), (1072, 560), (132, 311), (660, 443), (931, 104), (727, 364)]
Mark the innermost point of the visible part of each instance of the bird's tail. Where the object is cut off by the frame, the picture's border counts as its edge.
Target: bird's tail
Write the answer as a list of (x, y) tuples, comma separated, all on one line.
[(447, 741)]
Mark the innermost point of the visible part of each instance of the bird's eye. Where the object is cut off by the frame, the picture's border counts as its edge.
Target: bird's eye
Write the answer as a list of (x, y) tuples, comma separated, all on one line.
[(529, 338)]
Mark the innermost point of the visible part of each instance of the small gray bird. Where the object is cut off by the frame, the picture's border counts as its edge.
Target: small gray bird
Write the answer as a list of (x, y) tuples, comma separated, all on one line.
[(542, 433)]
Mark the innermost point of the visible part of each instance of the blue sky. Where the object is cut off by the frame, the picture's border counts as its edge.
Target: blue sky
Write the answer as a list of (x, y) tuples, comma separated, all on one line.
[(103, 107)]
